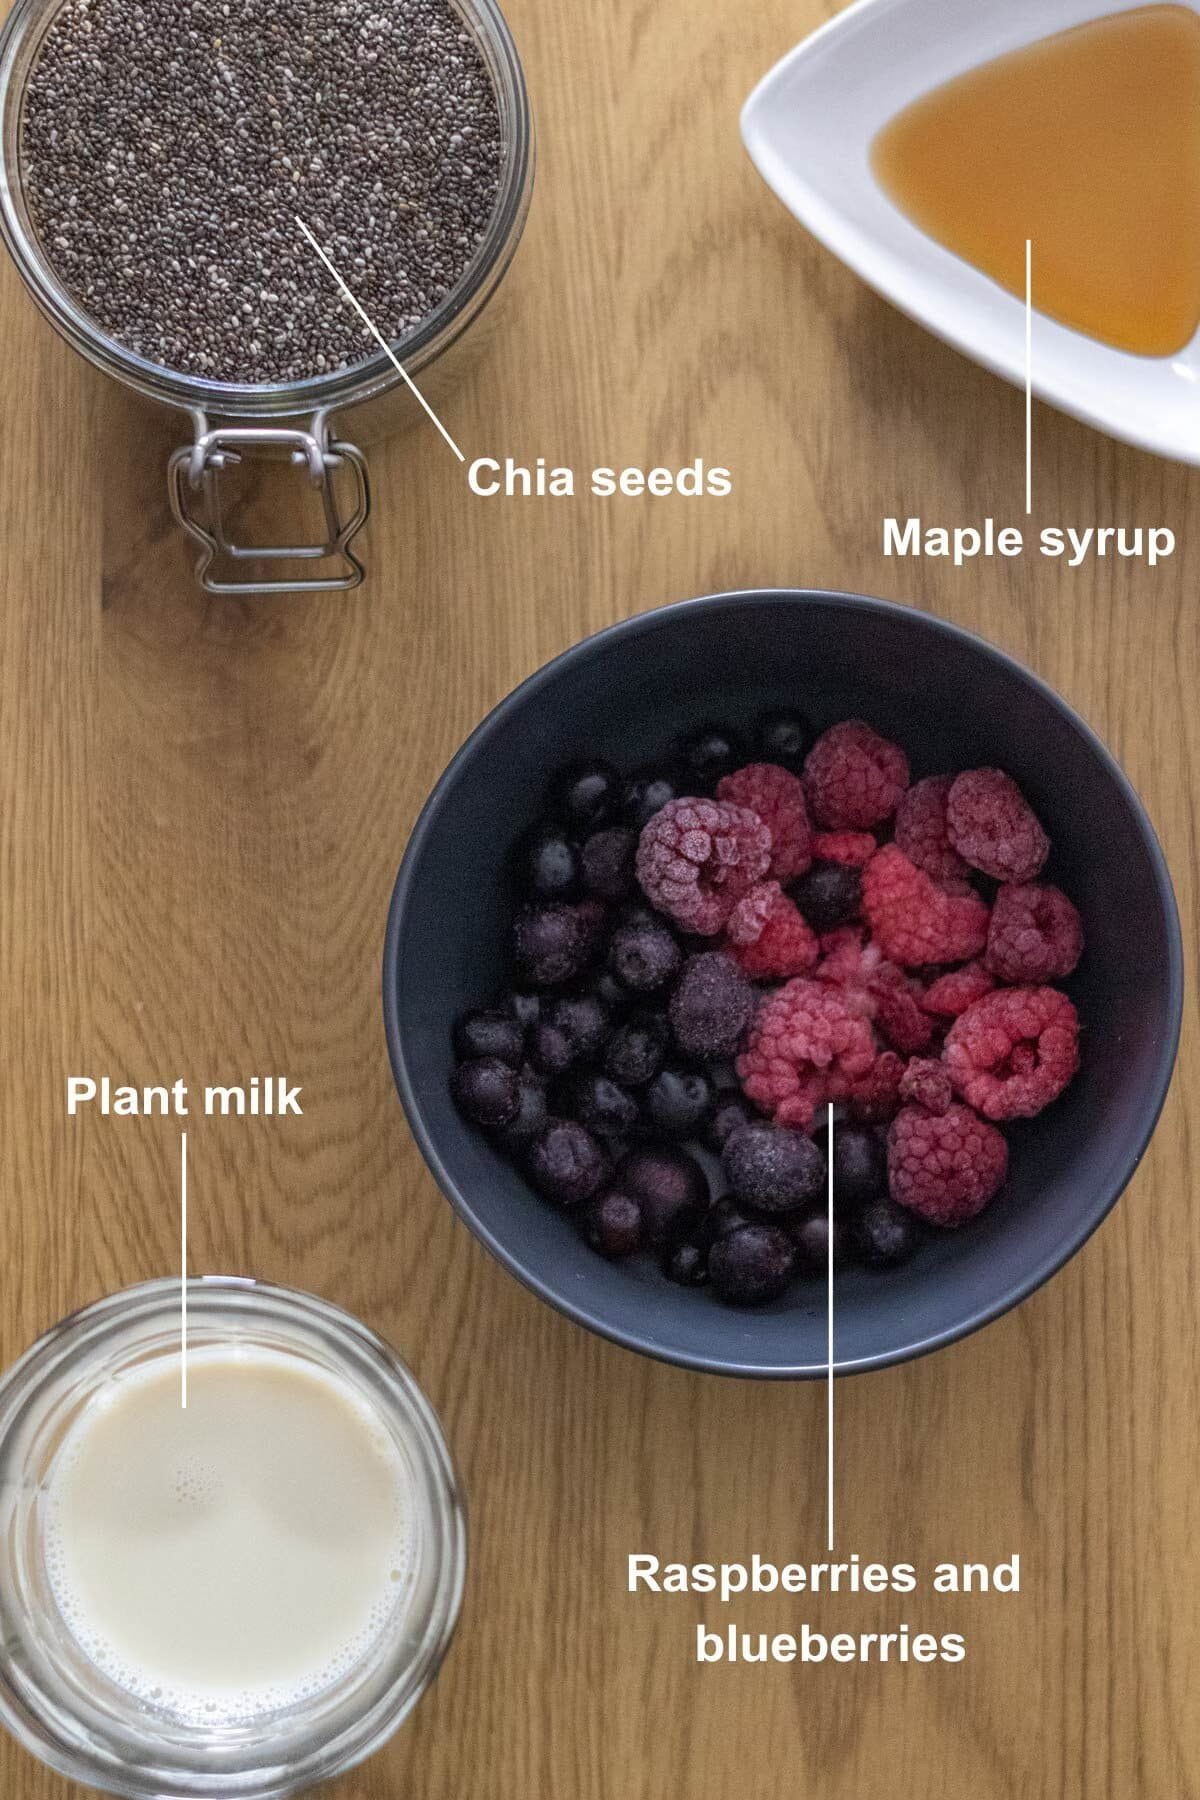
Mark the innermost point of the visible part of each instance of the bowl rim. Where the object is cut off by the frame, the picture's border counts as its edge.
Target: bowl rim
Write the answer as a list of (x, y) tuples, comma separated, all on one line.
[(656, 618)]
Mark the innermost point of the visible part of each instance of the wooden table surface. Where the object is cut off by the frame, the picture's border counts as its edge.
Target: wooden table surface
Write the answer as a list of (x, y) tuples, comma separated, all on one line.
[(202, 807)]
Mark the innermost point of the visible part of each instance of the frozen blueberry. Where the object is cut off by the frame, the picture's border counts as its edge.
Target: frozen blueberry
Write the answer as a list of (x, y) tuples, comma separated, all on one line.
[(552, 943), (773, 1168), (597, 1102), (829, 895), (593, 916), (859, 1166), (644, 955), (531, 1114), (552, 1049), (676, 1103), (711, 1007), (810, 1234), (484, 1032), (586, 794), (638, 912), (730, 1109), (614, 998), (585, 1020), (709, 753), (550, 865), (670, 1187), (525, 1008), (752, 1264), (612, 1224), (686, 1263), (646, 793), (607, 862), (884, 1234), (725, 1214), (637, 1049), (487, 1091), (783, 737), (566, 1164)]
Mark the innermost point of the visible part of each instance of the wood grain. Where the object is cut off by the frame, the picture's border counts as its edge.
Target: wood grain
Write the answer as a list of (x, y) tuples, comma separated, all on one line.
[(202, 806)]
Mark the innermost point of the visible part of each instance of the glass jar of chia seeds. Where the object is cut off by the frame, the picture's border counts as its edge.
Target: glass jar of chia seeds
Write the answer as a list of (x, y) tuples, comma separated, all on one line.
[(318, 420)]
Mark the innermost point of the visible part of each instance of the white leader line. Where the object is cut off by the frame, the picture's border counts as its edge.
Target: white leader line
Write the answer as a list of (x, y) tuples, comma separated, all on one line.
[(183, 1270), (1028, 376), (380, 340), (829, 1345)]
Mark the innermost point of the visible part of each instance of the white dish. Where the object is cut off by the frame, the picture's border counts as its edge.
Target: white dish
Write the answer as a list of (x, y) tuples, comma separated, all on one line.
[(809, 126)]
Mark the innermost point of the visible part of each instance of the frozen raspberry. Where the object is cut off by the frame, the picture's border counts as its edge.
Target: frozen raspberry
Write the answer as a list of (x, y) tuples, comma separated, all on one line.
[(805, 1047), (711, 1006), (951, 994), (913, 920), (850, 963), (769, 935), (921, 829), (926, 1083), (1035, 934), (854, 778), (875, 989), (993, 826), (874, 1097), (959, 886), (853, 849), (1014, 1051), (696, 858), (778, 799), (945, 1167), (900, 1016)]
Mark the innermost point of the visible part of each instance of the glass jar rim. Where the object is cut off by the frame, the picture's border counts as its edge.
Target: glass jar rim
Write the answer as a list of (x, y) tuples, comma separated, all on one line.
[(31, 19), (68, 1740)]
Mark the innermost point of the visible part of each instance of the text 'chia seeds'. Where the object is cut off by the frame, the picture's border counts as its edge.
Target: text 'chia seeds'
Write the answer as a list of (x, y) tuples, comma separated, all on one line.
[(169, 145)]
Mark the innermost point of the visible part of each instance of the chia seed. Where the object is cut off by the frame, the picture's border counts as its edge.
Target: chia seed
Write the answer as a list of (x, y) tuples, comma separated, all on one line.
[(169, 145)]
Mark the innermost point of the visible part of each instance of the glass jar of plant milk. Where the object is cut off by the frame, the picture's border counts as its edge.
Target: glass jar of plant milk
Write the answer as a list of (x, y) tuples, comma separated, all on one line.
[(232, 1545)]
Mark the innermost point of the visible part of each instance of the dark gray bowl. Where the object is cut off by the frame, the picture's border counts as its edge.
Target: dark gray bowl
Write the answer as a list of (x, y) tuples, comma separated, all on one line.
[(954, 702)]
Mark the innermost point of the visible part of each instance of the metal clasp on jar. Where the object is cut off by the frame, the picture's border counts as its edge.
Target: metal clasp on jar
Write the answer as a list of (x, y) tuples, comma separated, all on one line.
[(194, 485)]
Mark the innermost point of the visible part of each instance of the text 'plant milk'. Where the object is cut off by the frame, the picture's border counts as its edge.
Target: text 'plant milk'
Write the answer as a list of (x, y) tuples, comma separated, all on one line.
[(238, 1555)]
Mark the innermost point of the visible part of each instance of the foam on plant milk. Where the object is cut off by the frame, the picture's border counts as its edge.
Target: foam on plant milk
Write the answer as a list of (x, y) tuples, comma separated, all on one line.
[(235, 1557)]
